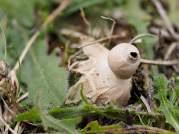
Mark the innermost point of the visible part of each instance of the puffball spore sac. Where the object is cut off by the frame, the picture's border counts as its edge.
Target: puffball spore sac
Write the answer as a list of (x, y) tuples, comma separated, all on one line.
[(124, 60)]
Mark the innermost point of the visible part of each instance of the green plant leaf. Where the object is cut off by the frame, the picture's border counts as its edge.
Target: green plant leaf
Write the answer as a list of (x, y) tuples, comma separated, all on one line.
[(65, 126), (37, 115), (135, 15), (165, 105), (78, 4), (22, 10), (47, 83), (32, 115)]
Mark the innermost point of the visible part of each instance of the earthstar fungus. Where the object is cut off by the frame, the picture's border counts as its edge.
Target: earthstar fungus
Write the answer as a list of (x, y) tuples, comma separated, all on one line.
[(106, 74)]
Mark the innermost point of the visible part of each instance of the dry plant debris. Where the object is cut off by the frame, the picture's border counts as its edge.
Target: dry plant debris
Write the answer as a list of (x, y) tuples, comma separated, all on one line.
[(9, 89)]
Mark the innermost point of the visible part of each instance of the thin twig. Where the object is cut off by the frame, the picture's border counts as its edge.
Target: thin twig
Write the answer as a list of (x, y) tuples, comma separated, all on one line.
[(141, 36), (165, 18), (72, 33), (7, 126), (6, 106), (26, 49), (76, 34), (160, 62), (144, 128), (18, 128), (170, 49), (145, 61), (112, 27), (99, 40), (130, 129), (146, 104), (162, 32), (4, 42), (83, 16), (23, 97), (49, 19)]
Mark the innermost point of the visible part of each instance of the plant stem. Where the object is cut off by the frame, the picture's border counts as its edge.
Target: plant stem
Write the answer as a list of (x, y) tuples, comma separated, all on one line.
[(165, 18), (160, 62), (34, 37), (129, 129), (109, 112)]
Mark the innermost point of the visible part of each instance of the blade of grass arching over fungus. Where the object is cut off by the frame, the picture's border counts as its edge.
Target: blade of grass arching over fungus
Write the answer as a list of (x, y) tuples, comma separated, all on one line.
[(165, 105)]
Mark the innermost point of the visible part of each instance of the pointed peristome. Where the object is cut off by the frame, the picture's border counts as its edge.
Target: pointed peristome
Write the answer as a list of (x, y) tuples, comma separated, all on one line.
[(124, 60)]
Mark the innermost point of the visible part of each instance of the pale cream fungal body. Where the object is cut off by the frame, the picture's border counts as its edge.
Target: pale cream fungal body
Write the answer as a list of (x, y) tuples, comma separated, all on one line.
[(108, 73)]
